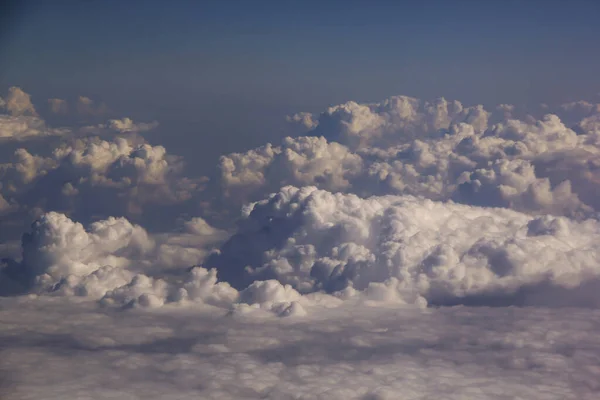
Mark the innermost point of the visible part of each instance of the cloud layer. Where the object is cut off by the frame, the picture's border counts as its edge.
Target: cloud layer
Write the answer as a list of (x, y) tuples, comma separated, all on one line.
[(403, 202)]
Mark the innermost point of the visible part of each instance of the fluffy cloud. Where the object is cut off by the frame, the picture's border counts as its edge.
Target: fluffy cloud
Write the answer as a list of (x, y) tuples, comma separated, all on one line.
[(122, 174), (440, 150), (24, 127), (127, 125), (389, 203), (394, 121), (63, 256), (121, 264), (58, 247), (22, 121), (301, 161), (18, 103), (406, 249), (306, 247)]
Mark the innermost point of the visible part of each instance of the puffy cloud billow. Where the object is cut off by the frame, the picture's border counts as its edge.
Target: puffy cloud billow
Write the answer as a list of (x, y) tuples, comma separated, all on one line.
[(121, 264), (301, 161), (306, 247), (117, 176), (21, 122), (403, 202), (439, 150), (411, 250)]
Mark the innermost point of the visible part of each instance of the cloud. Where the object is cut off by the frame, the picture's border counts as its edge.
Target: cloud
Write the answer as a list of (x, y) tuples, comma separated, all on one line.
[(383, 203), (19, 128), (22, 121), (127, 125), (18, 103), (121, 264), (87, 106), (393, 121), (63, 256), (303, 119), (58, 106), (116, 127), (300, 161), (405, 249), (99, 176), (440, 150)]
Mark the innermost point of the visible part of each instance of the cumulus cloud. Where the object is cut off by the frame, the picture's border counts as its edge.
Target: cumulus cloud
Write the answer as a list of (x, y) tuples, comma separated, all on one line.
[(24, 127), (393, 121), (382, 203), (440, 150), (63, 256), (405, 249), (121, 264), (123, 174), (301, 161), (127, 125), (18, 103), (303, 119), (22, 121)]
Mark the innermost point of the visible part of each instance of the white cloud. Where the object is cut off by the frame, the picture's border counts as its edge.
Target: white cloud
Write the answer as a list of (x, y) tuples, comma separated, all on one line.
[(127, 125), (301, 161), (18, 103), (92, 170), (23, 123), (123, 265), (24, 127), (304, 119), (406, 249), (111, 258), (53, 349), (440, 150), (394, 121), (352, 272), (59, 247)]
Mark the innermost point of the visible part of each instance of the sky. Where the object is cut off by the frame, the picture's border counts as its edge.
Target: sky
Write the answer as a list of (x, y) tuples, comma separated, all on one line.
[(299, 200), (269, 58)]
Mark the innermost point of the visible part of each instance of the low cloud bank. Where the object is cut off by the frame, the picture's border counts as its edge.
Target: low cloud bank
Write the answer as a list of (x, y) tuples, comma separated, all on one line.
[(306, 247), (402, 202)]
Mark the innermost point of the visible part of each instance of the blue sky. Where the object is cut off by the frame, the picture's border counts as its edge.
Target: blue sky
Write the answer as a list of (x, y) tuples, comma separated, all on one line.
[(236, 68)]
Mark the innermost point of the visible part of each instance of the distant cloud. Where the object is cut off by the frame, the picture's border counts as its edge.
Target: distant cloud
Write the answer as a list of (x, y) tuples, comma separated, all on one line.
[(58, 106), (127, 125), (25, 127), (440, 150), (119, 176), (304, 119), (87, 106), (22, 121), (18, 103)]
